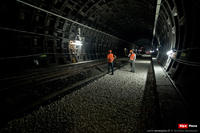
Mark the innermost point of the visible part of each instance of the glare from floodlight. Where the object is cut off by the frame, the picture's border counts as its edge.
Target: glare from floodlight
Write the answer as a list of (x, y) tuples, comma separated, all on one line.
[(169, 52), (78, 43)]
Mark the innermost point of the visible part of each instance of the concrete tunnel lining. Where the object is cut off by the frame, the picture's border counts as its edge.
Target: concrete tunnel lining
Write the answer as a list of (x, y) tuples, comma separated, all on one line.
[(35, 39)]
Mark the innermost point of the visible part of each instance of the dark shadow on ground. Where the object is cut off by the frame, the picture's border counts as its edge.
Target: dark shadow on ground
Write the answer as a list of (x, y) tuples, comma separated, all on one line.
[(150, 117)]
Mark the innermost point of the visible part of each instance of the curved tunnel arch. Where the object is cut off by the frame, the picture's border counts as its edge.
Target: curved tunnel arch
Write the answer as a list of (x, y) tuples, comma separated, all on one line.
[(109, 24), (183, 22)]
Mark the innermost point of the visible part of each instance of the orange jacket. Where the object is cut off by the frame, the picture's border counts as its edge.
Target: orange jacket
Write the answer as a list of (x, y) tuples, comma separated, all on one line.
[(132, 56), (110, 58)]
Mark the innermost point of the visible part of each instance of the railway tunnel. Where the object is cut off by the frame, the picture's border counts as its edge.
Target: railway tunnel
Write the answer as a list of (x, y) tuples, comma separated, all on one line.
[(53, 62)]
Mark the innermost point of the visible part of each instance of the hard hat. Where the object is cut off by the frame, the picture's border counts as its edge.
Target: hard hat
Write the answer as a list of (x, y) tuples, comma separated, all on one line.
[(109, 50)]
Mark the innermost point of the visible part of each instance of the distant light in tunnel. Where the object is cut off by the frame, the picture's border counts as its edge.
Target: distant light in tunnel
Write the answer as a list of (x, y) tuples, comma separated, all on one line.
[(157, 49), (151, 51)]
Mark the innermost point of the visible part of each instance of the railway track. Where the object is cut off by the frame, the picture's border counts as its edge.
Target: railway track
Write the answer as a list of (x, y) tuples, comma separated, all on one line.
[(23, 92), (37, 75)]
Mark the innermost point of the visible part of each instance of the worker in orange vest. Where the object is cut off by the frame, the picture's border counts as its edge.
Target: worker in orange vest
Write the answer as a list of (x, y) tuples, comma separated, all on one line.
[(132, 57), (110, 57)]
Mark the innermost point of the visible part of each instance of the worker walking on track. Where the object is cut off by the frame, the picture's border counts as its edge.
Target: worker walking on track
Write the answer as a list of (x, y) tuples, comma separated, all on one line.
[(110, 57), (132, 57)]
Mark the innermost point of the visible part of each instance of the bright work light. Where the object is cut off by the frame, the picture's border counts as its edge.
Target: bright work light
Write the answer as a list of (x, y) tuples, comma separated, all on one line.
[(169, 52), (78, 43)]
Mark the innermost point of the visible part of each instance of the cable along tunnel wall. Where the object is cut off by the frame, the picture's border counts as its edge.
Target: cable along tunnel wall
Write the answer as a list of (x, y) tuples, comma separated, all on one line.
[(39, 37)]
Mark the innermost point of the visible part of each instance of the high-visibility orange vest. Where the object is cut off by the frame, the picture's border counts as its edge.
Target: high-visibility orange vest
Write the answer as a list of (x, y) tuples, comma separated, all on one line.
[(132, 57), (110, 58)]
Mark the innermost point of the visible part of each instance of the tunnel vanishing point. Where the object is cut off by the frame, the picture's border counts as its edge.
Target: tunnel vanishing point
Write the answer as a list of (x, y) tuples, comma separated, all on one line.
[(53, 53)]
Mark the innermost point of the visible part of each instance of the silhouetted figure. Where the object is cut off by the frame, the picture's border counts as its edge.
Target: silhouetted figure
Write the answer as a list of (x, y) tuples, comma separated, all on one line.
[(110, 58), (132, 57)]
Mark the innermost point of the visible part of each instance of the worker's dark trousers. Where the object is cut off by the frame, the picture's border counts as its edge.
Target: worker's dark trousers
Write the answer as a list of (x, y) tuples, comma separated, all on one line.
[(132, 63), (110, 65)]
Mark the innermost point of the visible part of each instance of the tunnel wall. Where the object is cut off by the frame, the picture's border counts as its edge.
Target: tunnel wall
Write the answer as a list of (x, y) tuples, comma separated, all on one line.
[(177, 29), (32, 38)]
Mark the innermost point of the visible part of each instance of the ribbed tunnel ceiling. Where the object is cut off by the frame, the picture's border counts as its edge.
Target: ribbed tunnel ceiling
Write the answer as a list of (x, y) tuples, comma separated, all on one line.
[(126, 19)]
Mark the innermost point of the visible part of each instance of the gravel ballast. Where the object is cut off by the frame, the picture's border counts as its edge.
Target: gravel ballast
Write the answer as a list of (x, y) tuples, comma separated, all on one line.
[(109, 104)]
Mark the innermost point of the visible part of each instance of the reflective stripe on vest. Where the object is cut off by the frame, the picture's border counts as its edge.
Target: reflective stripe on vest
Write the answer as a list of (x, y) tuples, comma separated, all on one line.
[(132, 57), (110, 58)]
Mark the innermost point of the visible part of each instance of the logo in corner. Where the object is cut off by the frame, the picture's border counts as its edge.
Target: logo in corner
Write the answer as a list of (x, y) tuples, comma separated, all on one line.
[(183, 126)]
